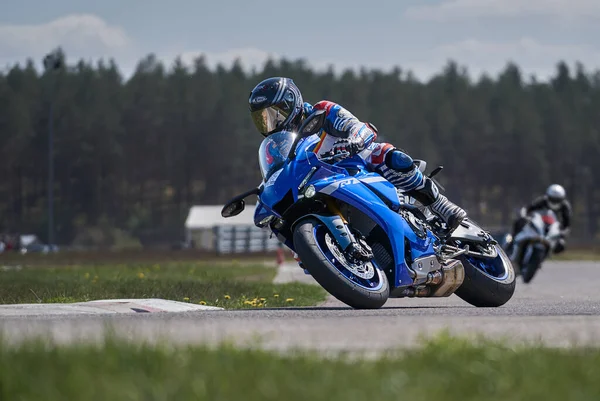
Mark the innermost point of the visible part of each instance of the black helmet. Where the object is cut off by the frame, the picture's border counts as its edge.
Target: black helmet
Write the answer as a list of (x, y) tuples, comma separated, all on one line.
[(276, 104)]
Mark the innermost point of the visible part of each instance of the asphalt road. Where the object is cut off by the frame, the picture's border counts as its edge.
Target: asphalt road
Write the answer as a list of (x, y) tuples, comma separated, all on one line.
[(561, 307)]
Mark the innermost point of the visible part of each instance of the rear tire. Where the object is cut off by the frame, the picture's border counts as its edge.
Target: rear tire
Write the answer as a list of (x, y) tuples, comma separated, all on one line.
[(332, 279), (483, 290)]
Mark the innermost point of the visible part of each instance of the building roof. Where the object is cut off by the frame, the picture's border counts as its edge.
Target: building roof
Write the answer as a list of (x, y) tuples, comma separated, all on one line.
[(208, 216)]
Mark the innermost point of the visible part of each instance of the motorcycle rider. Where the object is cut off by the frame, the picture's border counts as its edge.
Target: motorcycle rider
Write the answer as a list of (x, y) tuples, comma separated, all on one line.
[(276, 104), (555, 199)]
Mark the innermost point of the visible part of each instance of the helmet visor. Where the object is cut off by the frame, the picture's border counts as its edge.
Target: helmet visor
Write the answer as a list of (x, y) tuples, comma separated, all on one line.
[(269, 119), (554, 202)]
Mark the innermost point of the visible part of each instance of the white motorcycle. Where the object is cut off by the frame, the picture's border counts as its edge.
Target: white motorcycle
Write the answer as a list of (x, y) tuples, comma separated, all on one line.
[(532, 245)]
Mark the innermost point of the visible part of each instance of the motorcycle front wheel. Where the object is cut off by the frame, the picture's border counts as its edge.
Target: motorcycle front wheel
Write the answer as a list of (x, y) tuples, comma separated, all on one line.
[(360, 286), (533, 263)]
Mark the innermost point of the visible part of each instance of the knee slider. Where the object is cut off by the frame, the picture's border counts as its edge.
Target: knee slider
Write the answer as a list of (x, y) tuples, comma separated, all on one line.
[(399, 161)]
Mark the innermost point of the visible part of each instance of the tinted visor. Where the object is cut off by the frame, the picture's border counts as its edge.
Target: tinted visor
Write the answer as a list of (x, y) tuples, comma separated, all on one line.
[(554, 203), (269, 119)]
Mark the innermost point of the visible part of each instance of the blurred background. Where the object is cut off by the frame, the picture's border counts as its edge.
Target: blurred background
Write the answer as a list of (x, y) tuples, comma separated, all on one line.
[(124, 125)]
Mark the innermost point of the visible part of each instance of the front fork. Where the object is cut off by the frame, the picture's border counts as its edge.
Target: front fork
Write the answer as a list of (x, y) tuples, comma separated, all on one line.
[(356, 248)]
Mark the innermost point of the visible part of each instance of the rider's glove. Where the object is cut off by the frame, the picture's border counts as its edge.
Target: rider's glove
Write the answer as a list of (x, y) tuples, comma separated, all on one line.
[(307, 108), (347, 148)]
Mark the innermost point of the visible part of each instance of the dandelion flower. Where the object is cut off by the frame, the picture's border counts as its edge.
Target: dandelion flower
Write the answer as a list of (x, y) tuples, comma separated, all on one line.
[(202, 303), (140, 275), (227, 297), (86, 275), (289, 299), (276, 295), (186, 299), (262, 299)]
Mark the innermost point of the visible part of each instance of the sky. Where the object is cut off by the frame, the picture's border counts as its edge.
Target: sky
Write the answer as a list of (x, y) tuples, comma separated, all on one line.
[(421, 36)]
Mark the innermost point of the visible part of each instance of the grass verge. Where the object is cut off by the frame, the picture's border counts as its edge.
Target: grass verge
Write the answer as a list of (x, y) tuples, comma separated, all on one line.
[(226, 285), (578, 255), (445, 369)]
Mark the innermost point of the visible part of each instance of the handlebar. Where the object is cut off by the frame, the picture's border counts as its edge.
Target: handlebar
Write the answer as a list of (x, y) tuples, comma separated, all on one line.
[(331, 155)]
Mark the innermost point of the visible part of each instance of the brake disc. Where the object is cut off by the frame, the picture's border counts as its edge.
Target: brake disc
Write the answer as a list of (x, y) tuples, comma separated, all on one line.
[(363, 270)]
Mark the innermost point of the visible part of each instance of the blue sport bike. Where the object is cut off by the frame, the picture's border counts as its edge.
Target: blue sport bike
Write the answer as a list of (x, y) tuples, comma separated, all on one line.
[(363, 240)]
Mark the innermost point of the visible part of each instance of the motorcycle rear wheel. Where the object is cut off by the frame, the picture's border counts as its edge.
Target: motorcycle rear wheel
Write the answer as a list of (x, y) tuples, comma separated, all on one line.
[(487, 289)]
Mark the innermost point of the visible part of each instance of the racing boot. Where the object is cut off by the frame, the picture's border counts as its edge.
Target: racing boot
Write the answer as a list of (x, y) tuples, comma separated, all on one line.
[(400, 170), (429, 195)]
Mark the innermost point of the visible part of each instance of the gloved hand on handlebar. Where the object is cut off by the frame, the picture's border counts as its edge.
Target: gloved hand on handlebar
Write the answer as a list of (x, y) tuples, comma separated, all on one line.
[(523, 212), (345, 148)]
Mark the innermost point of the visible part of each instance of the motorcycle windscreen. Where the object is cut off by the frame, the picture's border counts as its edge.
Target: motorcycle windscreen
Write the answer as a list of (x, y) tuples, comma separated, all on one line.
[(273, 152)]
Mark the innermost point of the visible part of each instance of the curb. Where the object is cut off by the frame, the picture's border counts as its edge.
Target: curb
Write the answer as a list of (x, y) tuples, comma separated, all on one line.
[(104, 306)]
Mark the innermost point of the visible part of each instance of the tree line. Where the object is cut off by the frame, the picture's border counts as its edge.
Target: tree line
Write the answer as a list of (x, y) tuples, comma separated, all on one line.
[(131, 156)]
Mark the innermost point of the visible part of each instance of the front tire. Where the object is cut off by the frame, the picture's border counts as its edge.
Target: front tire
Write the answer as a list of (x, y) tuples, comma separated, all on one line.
[(533, 265), (491, 288), (330, 272)]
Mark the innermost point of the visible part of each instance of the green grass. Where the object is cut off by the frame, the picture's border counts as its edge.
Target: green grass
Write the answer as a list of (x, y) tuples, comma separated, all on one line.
[(578, 255), (218, 284), (445, 369), (106, 257)]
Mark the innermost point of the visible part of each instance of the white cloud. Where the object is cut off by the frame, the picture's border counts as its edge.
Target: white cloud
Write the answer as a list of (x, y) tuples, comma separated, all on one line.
[(249, 57), (256, 58), (464, 9), (89, 37), (530, 55), (80, 35)]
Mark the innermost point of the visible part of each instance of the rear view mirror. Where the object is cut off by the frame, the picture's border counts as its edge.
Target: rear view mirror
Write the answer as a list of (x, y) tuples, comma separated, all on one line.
[(312, 124), (237, 205), (233, 208)]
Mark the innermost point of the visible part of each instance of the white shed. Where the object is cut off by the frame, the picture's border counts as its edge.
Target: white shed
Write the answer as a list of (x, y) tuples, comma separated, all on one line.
[(207, 229)]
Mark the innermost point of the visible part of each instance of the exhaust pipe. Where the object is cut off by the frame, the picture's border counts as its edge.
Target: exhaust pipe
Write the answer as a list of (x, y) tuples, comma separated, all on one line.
[(440, 283)]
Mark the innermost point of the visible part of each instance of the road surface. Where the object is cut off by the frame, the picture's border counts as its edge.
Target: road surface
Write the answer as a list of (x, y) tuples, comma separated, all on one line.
[(561, 307)]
